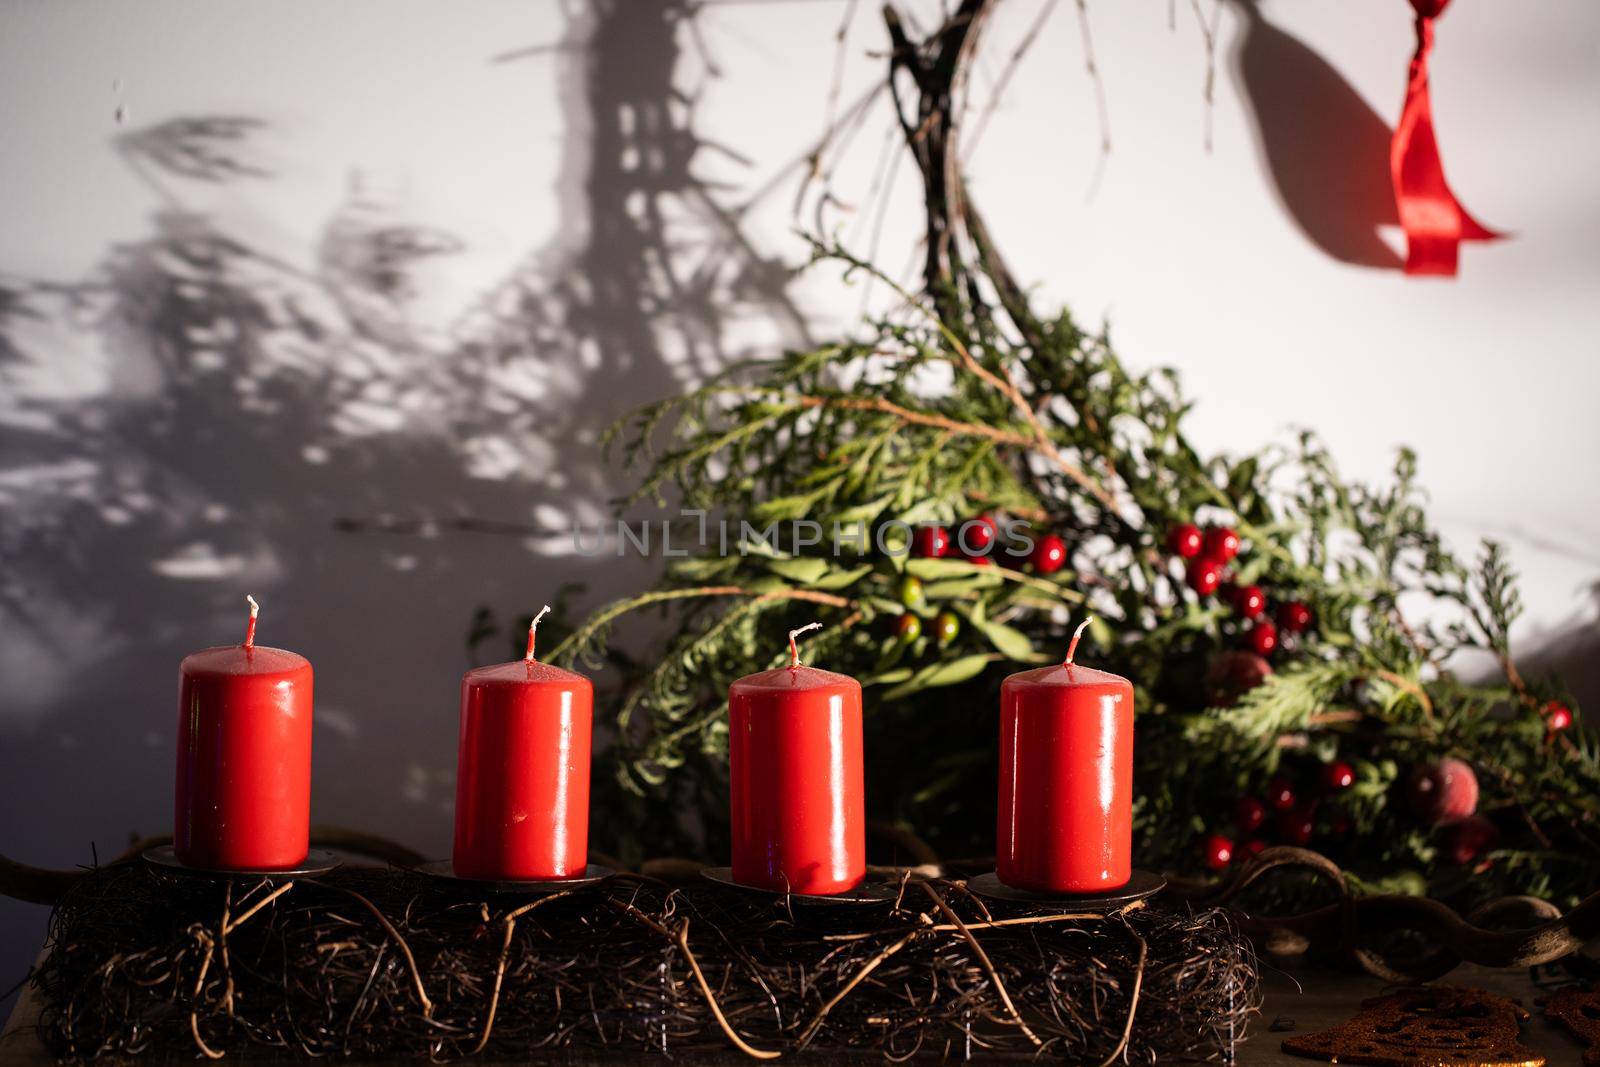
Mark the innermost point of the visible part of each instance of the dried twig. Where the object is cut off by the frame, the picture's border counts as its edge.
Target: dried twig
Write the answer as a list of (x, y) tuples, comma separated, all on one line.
[(711, 1000), (394, 934), (510, 922), (860, 976), (1133, 1003), (983, 958)]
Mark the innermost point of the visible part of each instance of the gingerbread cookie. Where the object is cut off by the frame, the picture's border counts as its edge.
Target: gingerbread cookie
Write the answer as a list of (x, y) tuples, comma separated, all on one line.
[(1440, 1026), (1579, 1011)]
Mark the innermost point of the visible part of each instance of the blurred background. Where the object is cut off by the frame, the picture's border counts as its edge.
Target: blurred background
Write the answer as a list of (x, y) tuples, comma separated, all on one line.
[(331, 303)]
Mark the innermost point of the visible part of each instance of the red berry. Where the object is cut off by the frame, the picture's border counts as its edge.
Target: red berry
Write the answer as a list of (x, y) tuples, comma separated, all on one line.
[(1557, 716), (1296, 825), (932, 542), (1280, 794), (1337, 775), (1253, 847), (1339, 824), (1049, 554), (1249, 813), (1249, 601), (1218, 852), (978, 561), (1294, 617), (975, 537), (1204, 576), (1184, 541), (1263, 637), (1221, 543), (908, 626), (1443, 792), (1463, 842)]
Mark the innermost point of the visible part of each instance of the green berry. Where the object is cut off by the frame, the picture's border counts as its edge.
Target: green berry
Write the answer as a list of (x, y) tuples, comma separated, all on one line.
[(946, 627), (911, 591), (909, 627)]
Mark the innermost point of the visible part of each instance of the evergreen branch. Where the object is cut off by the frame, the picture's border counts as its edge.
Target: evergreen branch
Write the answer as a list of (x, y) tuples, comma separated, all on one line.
[(1002, 382), (879, 404), (1284, 703), (587, 639)]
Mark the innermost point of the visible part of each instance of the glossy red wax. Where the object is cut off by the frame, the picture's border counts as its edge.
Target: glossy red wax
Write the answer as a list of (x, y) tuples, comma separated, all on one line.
[(798, 804), (522, 773), (1066, 780), (244, 758)]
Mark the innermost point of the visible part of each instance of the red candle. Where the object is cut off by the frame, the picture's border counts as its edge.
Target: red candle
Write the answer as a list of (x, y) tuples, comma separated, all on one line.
[(522, 771), (244, 757), (1066, 779), (798, 807)]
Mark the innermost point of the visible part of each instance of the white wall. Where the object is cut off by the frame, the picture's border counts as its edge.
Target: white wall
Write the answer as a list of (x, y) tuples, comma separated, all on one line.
[(144, 489)]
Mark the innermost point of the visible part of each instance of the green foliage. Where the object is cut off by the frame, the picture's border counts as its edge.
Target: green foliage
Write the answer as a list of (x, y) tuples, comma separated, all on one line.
[(927, 420)]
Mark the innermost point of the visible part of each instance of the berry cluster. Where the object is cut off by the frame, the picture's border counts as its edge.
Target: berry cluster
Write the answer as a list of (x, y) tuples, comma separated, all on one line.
[(1206, 555), (908, 627), (974, 541), (1441, 793), (1283, 815)]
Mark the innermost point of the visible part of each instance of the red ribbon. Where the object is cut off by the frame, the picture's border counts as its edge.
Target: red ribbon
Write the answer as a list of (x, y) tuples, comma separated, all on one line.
[(1433, 219)]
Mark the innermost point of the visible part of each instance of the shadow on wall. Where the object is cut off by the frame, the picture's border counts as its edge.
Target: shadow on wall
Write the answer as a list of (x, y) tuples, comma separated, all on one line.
[(200, 419), (1573, 657), (1325, 149)]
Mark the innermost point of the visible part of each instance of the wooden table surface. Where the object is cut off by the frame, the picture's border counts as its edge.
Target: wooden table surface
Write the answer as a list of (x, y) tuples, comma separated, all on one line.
[(1298, 1002)]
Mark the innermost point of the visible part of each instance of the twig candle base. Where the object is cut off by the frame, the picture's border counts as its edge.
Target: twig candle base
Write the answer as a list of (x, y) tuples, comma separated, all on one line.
[(386, 965)]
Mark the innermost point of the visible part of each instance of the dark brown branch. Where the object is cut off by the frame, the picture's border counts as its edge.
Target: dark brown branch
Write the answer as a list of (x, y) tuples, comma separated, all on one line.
[(936, 67), (1457, 939)]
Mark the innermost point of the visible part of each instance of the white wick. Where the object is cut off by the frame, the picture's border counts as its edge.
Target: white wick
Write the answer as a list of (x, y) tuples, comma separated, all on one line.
[(794, 648), (255, 609), (1072, 648), (533, 629)]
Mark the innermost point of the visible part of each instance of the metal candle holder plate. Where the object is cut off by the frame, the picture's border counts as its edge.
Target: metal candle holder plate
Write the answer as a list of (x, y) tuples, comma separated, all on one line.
[(318, 861), (1140, 885), (866, 893), (444, 871)]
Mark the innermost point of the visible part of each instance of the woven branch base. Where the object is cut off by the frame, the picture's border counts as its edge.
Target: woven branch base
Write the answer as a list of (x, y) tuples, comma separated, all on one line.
[(383, 964)]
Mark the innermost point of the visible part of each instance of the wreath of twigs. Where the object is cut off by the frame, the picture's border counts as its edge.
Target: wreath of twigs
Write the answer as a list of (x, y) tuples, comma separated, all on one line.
[(383, 963)]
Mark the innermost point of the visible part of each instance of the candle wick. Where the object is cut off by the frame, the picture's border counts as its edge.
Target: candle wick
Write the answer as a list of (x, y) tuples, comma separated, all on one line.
[(794, 648), (1072, 648), (250, 627), (533, 631)]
